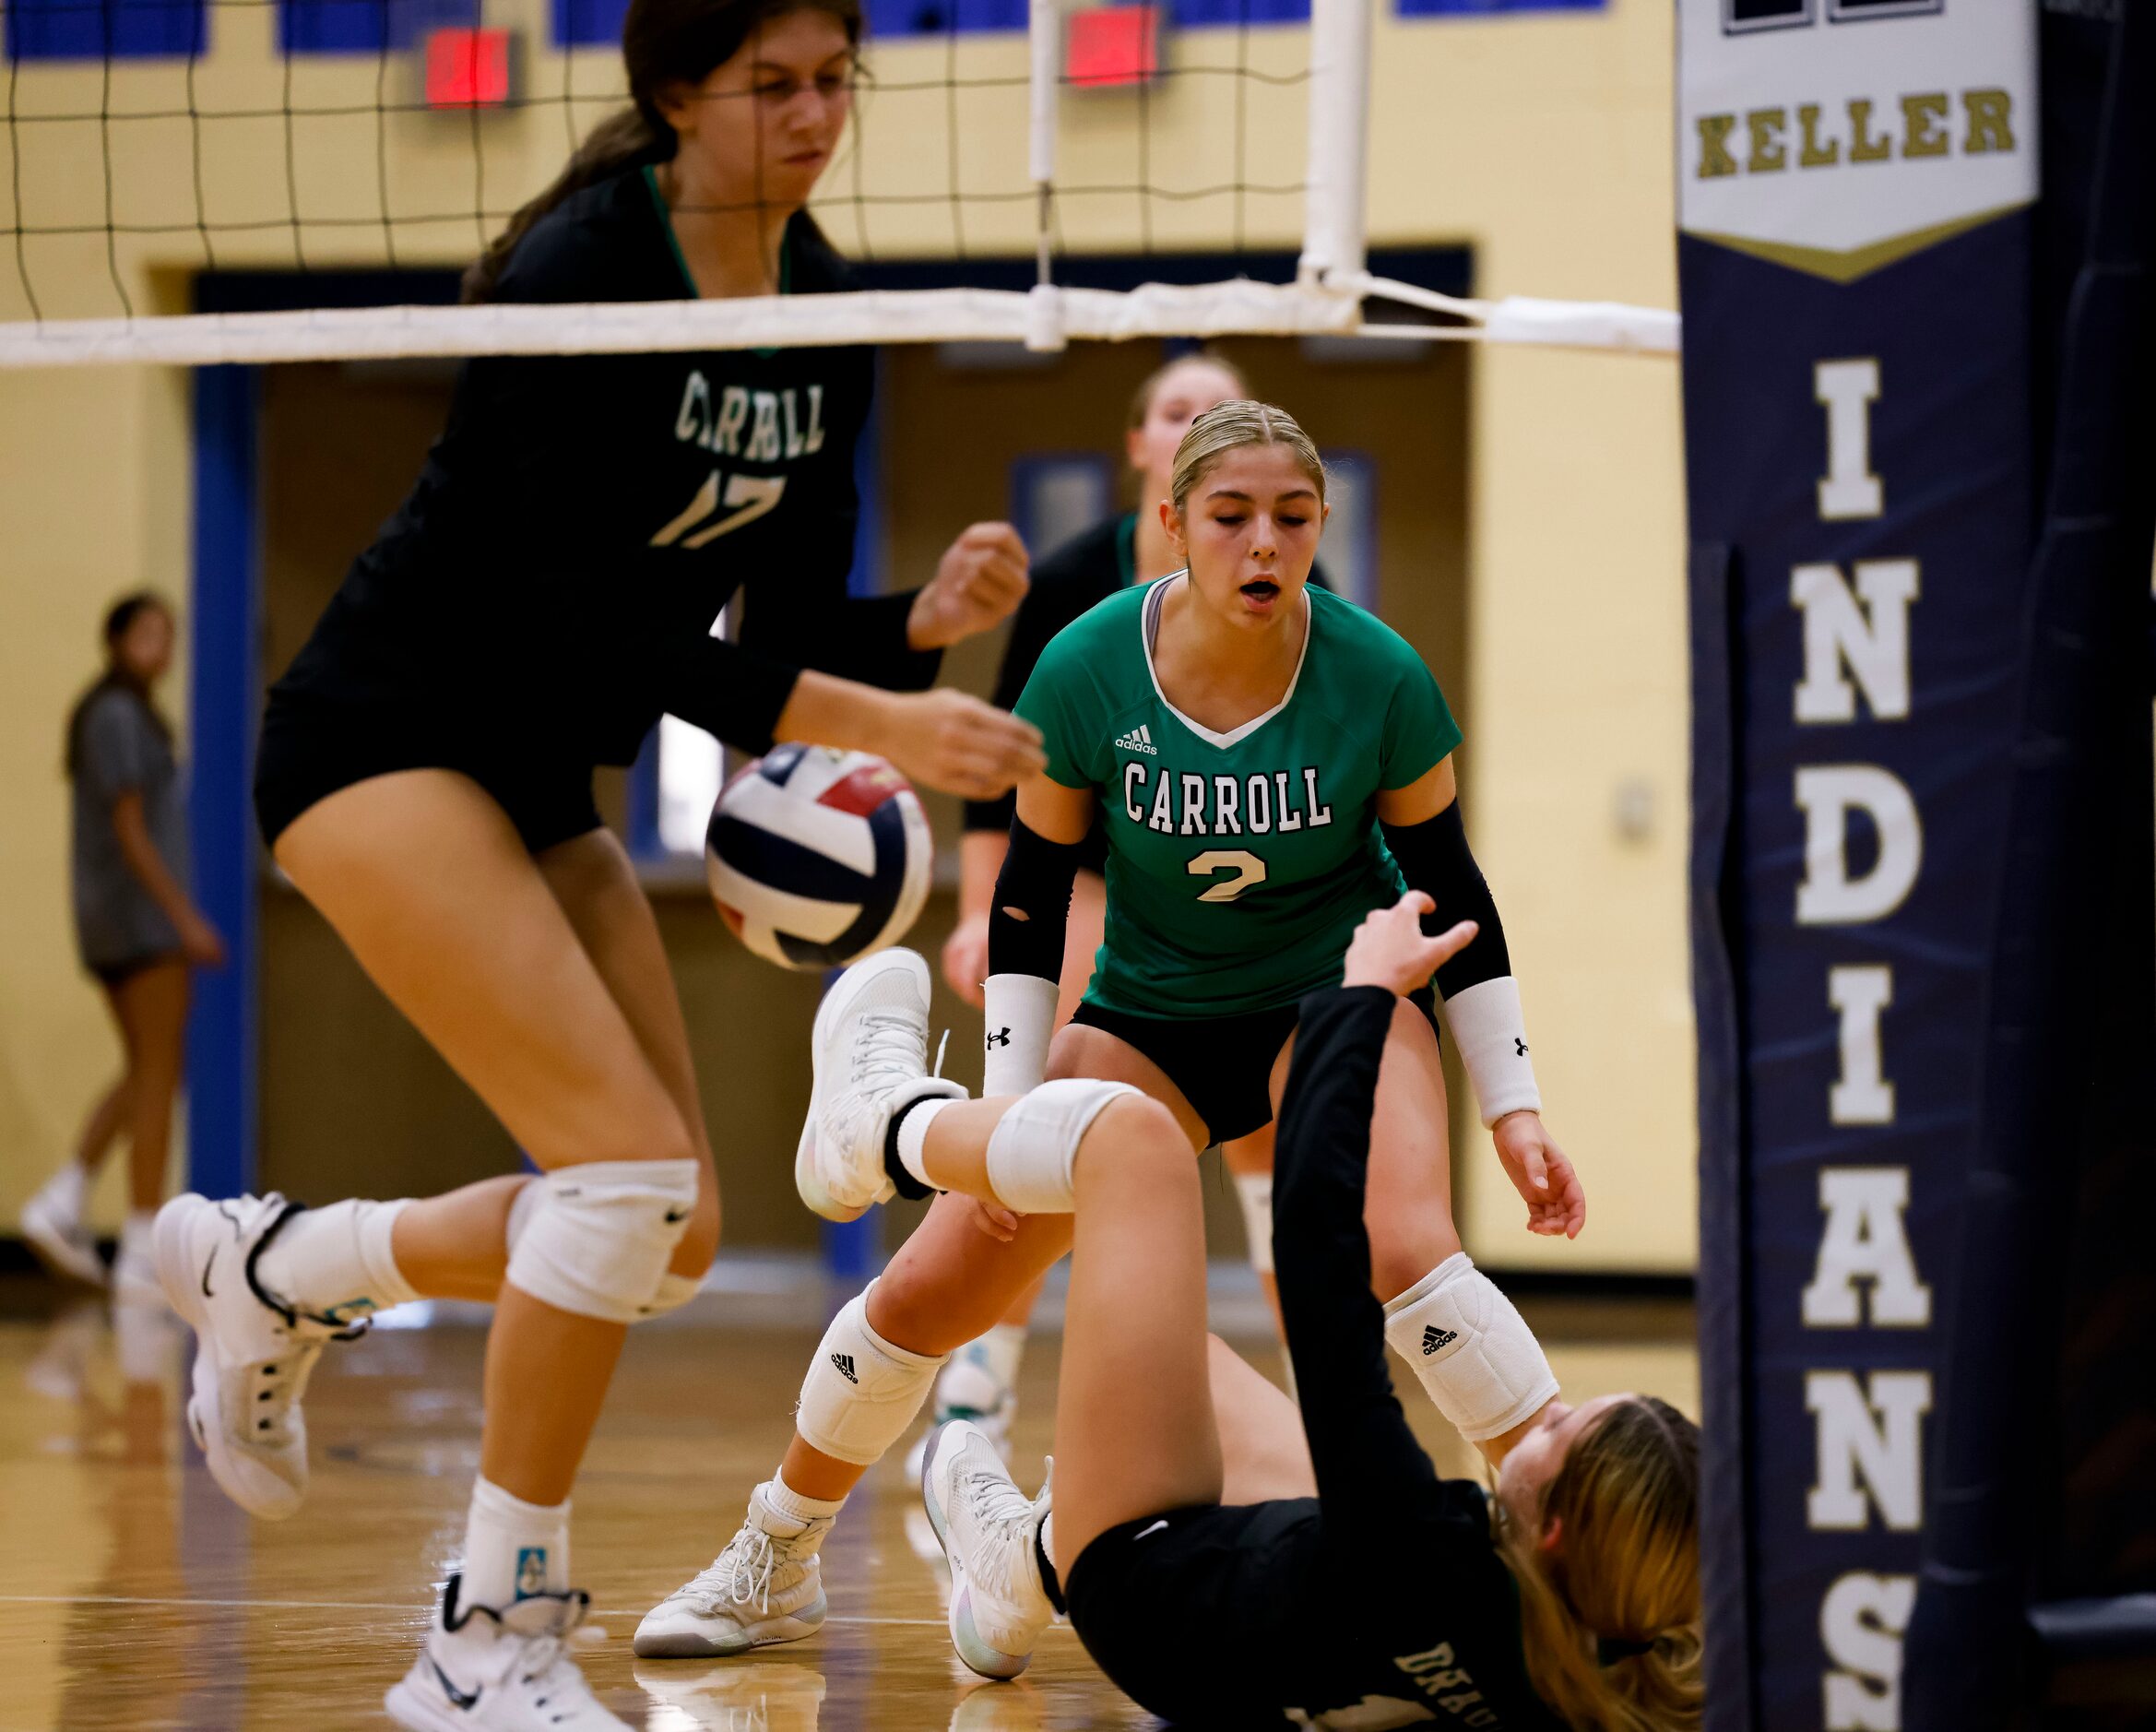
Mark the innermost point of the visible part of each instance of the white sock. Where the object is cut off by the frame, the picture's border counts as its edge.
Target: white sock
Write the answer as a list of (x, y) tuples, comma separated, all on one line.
[(138, 1235), (783, 1500), (1254, 1192), (69, 1189), (913, 1136), (1000, 1352), (337, 1261), (513, 1549)]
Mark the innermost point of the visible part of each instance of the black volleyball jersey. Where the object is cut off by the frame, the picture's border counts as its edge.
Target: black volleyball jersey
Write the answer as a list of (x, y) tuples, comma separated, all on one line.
[(552, 579), (1431, 1629)]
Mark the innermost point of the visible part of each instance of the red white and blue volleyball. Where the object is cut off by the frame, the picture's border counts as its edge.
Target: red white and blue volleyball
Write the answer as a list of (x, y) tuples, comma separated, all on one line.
[(817, 857)]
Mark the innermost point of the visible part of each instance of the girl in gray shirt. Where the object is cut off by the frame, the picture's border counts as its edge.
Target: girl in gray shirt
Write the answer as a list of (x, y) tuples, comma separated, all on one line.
[(137, 929)]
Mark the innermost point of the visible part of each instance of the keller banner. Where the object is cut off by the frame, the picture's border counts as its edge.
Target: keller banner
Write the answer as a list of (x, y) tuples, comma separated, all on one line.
[(1856, 180)]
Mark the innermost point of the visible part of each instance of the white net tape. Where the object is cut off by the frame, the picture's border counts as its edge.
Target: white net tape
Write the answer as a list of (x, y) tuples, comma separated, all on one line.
[(1044, 319)]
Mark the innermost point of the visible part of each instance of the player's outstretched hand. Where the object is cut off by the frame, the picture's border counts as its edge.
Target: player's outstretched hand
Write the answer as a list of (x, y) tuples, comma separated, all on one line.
[(1389, 948), (1541, 1172), (965, 958), (947, 740), (978, 582)]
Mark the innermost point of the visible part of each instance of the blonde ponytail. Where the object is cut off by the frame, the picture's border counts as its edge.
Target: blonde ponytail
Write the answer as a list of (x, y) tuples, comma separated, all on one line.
[(1610, 1624)]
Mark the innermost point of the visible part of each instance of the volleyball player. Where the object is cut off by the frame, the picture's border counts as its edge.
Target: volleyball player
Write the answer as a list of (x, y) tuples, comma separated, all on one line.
[(139, 932), (547, 588), (1269, 761), (1218, 1573), (980, 1381)]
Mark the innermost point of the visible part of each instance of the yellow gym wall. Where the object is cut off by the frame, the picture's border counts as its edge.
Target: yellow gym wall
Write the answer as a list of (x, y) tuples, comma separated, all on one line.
[(1541, 142)]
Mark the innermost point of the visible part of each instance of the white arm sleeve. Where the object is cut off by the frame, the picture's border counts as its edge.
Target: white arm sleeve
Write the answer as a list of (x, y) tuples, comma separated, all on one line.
[(1021, 1016), (1492, 1037)]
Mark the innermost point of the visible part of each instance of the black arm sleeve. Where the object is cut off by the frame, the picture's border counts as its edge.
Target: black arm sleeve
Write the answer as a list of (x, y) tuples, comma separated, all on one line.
[(1036, 881), (855, 637), (1434, 859), (730, 693), (1371, 1472)]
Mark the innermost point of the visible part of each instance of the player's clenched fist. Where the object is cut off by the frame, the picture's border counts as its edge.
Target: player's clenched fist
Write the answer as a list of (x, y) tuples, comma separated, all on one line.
[(978, 582)]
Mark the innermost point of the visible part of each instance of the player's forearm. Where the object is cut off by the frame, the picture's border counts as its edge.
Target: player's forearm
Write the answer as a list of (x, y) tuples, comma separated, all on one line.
[(980, 858), (145, 863), (827, 711)]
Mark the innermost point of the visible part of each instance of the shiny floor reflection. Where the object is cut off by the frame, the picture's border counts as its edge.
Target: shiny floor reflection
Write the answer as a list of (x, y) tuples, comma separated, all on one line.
[(137, 1596)]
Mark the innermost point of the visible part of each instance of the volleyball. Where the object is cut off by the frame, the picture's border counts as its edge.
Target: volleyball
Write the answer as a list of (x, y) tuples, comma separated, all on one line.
[(817, 857)]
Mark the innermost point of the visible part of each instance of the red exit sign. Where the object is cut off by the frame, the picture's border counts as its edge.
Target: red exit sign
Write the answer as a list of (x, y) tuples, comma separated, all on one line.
[(469, 68), (1113, 45)]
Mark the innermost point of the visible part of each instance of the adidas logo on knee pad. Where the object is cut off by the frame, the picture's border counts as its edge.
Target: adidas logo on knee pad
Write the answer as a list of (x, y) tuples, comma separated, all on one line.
[(844, 1362), (1435, 1340)]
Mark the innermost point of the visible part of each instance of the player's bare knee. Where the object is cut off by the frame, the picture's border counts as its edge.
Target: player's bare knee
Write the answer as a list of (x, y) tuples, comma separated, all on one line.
[(1137, 1130)]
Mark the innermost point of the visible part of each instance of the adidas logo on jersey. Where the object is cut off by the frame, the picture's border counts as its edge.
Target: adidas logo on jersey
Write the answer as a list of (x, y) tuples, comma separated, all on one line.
[(1435, 1340), (1139, 739), (844, 1362)]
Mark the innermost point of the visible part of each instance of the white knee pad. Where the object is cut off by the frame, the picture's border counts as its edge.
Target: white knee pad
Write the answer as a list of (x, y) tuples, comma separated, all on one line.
[(1034, 1144), (674, 1291), (1471, 1350), (861, 1392), (1254, 1192), (600, 1236)]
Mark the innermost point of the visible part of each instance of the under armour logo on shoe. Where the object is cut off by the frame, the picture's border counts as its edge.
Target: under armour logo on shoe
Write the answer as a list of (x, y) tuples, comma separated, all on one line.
[(1519, 1046), (998, 1037), (1435, 1340), (844, 1362)]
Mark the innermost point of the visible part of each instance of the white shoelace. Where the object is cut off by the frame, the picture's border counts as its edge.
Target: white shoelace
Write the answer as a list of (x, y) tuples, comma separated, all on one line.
[(888, 1047), (740, 1575), (1001, 1514)]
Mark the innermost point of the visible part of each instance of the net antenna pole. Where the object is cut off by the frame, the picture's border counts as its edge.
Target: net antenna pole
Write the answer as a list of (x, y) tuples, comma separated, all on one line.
[(1044, 29), (1334, 199)]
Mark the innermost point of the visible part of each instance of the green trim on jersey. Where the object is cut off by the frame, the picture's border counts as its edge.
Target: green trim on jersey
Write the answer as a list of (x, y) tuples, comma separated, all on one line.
[(1238, 865)]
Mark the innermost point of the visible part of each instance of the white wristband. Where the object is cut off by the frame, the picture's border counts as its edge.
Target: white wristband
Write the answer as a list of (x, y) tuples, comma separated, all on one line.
[(1020, 1014), (1492, 1037)]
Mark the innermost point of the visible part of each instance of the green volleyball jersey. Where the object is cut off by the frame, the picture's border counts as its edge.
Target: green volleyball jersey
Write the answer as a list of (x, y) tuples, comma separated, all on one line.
[(1238, 865)]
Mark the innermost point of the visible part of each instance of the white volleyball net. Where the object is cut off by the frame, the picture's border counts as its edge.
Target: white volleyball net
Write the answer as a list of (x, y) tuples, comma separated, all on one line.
[(153, 146)]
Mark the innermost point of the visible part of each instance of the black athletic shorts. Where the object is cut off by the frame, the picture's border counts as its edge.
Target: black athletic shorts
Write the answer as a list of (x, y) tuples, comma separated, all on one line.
[(312, 747), (1190, 1612), (1222, 1065), (114, 975)]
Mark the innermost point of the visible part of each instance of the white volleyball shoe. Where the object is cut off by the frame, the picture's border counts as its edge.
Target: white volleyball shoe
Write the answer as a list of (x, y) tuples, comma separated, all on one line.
[(870, 1056)]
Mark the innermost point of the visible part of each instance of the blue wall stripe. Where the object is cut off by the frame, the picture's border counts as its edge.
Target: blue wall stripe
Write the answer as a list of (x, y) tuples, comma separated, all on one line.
[(222, 707)]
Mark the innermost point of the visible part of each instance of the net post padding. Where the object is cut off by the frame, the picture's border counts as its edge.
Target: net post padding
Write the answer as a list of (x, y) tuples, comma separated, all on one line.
[(1334, 195)]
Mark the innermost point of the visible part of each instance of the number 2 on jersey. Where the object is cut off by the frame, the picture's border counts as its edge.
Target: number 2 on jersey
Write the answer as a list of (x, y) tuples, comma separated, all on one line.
[(1248, 868)]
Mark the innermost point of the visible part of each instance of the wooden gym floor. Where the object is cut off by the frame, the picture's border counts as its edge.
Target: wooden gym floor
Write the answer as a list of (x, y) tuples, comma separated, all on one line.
[(135, 1597)]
